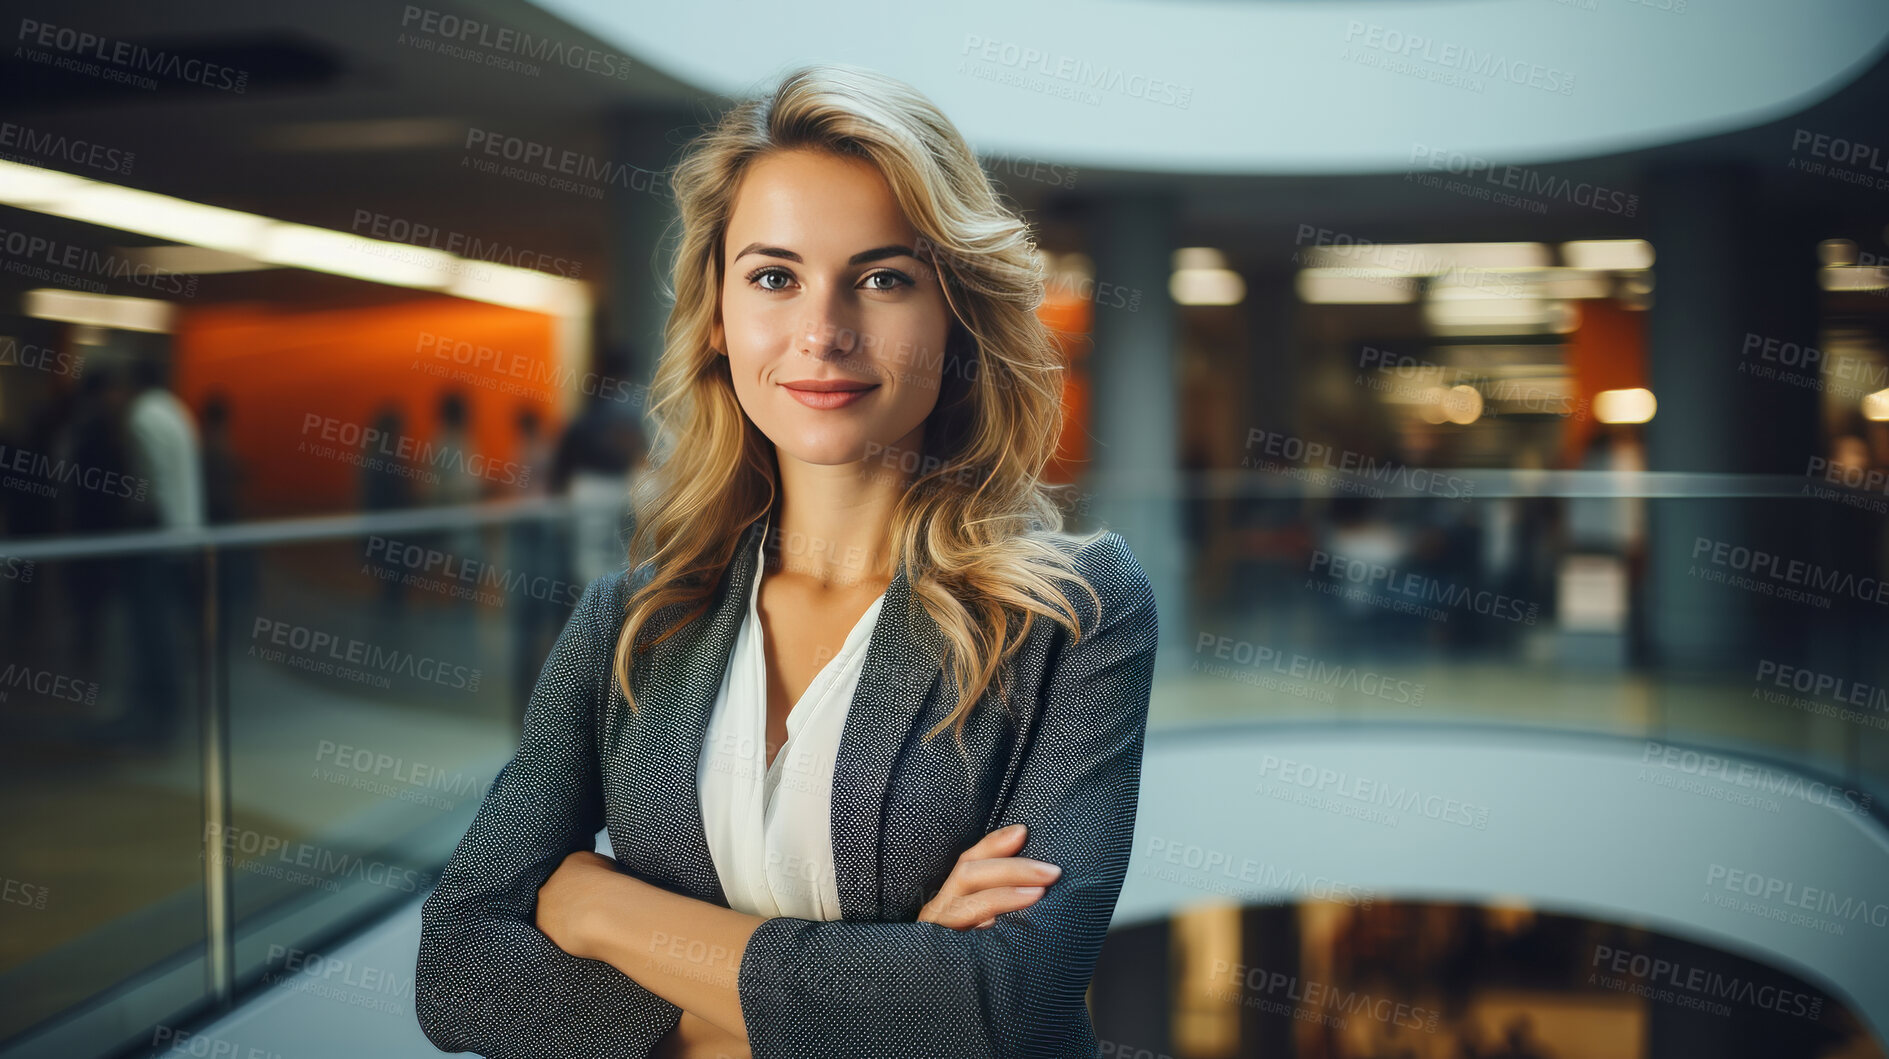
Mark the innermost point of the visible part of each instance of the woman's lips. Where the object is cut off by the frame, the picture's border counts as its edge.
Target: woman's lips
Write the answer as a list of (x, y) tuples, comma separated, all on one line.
[(833, 399)]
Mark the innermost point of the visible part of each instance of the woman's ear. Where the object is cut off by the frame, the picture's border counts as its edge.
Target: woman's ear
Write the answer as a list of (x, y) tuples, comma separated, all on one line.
[(717, 341)]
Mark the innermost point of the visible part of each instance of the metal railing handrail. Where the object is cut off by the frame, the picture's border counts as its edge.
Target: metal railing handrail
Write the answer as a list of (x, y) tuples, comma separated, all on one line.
[(1484, 484), (303, 530)]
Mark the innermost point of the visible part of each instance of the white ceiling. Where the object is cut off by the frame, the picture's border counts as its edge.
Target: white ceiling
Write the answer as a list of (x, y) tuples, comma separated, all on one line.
[(1290, 87)]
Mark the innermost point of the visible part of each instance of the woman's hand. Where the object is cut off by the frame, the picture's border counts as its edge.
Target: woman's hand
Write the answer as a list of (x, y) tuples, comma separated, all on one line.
[(583, 881), (988, 882)]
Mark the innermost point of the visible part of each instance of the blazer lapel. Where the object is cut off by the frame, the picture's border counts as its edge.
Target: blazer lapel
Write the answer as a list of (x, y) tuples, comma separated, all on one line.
[(677, 683), (681, 679), (904, 661)]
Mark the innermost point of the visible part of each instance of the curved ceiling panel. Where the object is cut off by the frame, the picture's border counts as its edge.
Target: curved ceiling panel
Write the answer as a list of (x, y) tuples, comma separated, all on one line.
[(1330, 87)]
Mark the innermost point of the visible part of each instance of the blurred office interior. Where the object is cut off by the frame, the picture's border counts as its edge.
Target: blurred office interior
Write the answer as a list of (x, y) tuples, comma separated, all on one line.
[(1496, 393)]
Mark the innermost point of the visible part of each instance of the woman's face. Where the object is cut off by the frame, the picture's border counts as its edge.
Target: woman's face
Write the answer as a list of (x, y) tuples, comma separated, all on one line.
[(821, 285)]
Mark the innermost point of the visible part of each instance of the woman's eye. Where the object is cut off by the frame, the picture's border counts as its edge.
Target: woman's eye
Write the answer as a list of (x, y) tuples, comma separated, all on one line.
[(758, 278), (897, 280)]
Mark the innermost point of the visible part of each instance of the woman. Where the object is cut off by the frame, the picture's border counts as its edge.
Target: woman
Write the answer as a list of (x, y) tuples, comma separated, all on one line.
[(803, 865)]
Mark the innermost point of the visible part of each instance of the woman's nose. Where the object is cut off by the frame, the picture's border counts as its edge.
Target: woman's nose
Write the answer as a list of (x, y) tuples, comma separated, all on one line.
[(820, 335)]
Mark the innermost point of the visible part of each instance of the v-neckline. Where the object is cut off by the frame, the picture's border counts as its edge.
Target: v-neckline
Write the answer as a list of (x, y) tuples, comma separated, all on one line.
[(660, 830), (847, 646)]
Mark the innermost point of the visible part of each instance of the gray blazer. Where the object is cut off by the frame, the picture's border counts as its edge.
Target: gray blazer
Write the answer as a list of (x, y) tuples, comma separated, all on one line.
[(1063, 757)]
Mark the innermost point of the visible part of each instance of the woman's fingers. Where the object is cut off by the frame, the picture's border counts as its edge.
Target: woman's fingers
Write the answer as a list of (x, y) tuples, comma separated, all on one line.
[(1002, 871), (985, 906), (961, 907), (988, 881), (999, 843)]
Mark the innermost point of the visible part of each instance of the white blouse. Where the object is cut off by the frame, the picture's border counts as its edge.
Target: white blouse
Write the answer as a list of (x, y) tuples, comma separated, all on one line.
[(769, 828)]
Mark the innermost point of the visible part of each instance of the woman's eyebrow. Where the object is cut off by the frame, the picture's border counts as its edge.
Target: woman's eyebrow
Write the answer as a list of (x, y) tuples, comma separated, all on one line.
[(893, 250)]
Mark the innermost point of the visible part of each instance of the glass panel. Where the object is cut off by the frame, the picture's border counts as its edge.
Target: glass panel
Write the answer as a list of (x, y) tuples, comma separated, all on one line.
[(101, 778), (377, 686)]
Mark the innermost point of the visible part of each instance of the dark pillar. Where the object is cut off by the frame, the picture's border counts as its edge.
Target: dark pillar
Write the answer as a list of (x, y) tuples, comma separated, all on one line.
[(1729, 267), (1136, 447)]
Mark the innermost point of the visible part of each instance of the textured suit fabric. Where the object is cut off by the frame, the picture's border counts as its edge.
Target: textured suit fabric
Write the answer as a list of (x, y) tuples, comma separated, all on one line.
[(1060, 752)]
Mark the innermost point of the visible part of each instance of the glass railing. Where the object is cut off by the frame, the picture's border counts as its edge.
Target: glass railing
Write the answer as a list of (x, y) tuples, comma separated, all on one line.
[(228, 749), (1737, 613)]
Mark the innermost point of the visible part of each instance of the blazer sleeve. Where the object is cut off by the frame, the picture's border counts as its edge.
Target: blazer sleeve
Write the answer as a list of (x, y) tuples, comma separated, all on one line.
[(487, 979), (814, 990)]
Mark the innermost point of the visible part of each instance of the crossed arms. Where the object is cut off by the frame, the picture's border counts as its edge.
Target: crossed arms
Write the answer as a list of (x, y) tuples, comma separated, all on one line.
[(489, 980)]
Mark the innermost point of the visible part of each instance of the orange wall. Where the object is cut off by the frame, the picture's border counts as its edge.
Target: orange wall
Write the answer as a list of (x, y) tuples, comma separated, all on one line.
[(1069, 319), (1607, 351), (279, 366)]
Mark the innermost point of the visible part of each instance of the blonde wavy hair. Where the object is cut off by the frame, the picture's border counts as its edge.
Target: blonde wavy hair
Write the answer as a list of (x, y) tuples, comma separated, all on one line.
[(978, 532)]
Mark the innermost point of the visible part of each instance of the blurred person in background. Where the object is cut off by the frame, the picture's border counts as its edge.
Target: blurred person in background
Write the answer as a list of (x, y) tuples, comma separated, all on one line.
[(222, 467), (167, 453), (95, 436), (592, 466), (166, 448), (223, 485), (386, 485), (453, 480), (532, 549)]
